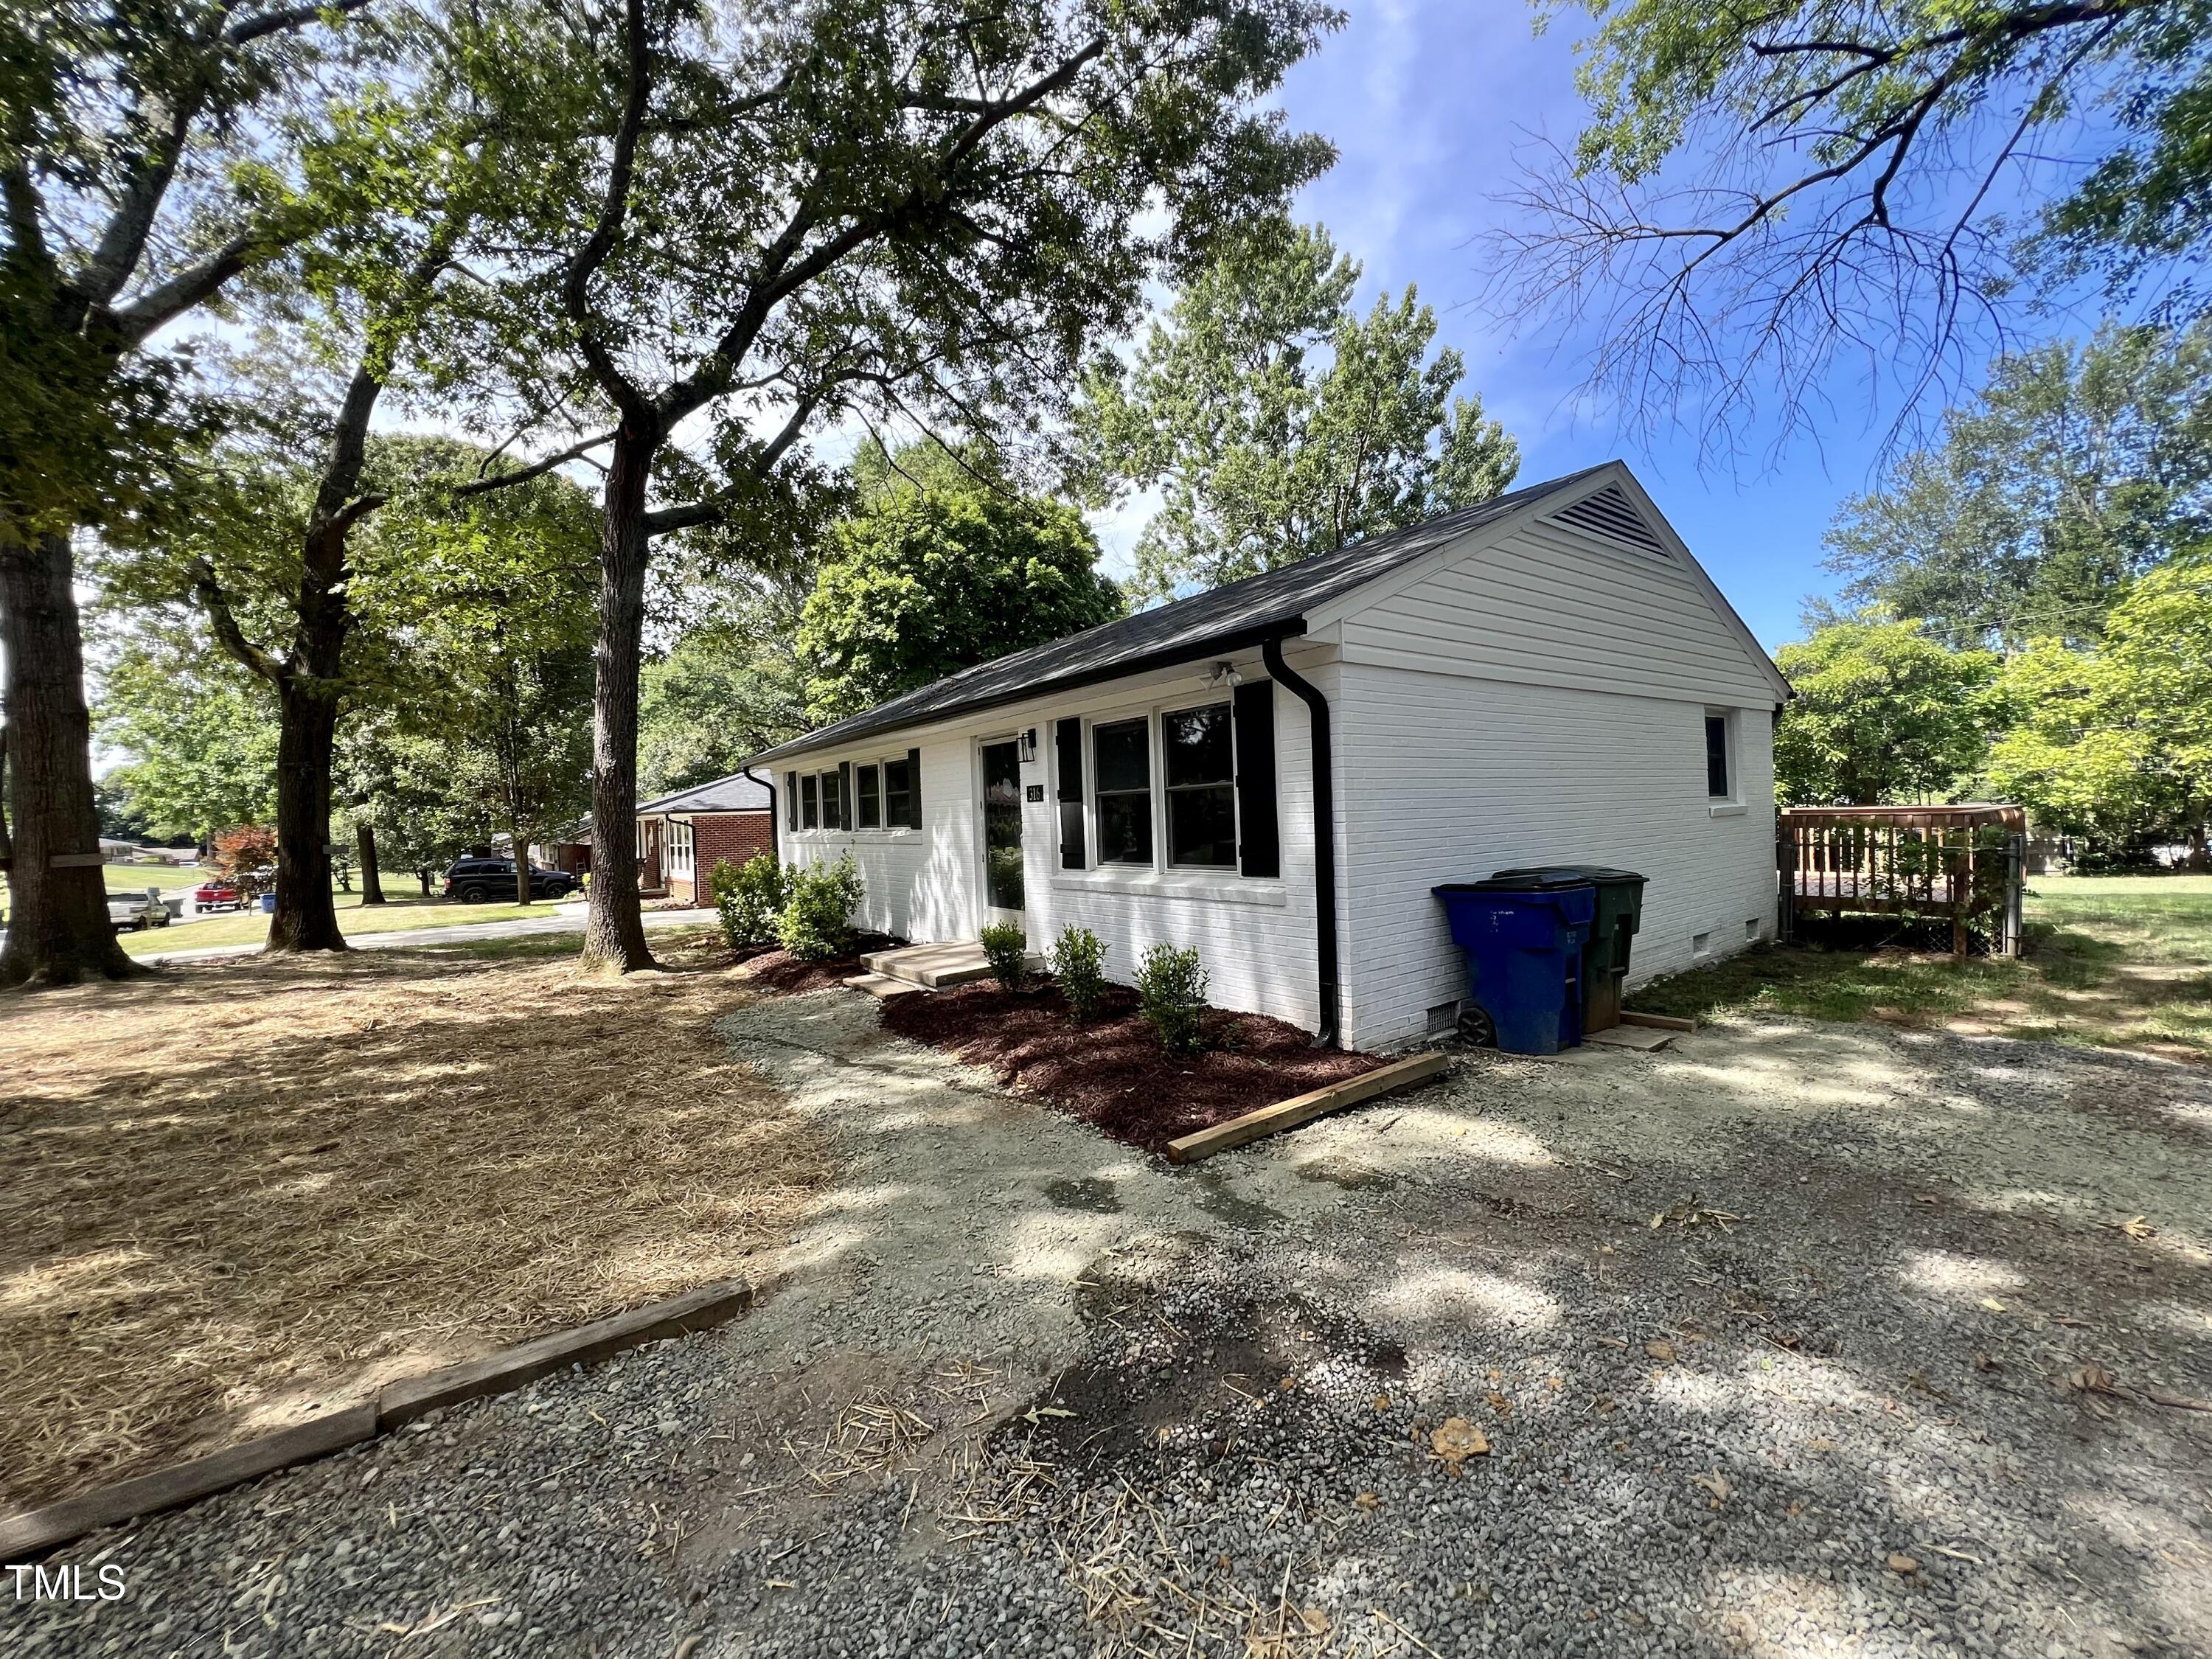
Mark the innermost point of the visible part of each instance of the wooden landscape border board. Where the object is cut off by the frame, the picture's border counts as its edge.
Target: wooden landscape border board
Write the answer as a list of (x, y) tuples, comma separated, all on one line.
[(1303, 1108), (1657, 1021), (32, 1533)]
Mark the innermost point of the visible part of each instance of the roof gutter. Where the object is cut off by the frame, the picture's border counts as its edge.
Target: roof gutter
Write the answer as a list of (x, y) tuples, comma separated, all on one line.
[(774, 818), (1324, 827)]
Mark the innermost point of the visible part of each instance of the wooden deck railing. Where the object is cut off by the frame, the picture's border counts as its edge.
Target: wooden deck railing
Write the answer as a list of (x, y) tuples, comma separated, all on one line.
[(1959, 862)]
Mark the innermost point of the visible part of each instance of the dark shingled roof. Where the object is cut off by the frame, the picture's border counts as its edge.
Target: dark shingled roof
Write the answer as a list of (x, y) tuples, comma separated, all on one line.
[(1222, 618), (730, 794)]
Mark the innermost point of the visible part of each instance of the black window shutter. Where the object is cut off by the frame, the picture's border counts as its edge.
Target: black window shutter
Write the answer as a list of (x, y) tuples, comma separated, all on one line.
[(791, 801), (1260, 847), (1067, 738), (914, 789), (845, 794)]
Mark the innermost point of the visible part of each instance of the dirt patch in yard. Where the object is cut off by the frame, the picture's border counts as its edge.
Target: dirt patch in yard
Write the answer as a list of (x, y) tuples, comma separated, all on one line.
[(1112, 1073), (242, 1190)]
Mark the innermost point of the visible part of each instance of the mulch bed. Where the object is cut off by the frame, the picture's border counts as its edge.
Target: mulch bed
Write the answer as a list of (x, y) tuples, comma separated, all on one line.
[(789, 975), (1112, 1073)]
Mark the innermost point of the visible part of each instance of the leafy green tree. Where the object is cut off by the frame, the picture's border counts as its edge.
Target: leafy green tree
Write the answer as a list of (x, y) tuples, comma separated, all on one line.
[(513, 714), (119, 820), (395, 789), (150, 158), (1881, 714), (1278, 423), (367, 604), (754, 223), (199, 733), (925, 581), (722, 693), (2115, 743), (1767, 194), (2072, 472)]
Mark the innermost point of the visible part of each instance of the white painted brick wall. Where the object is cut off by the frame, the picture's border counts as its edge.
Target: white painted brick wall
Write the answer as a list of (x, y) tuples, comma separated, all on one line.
[(927, 885), (1537, 775)]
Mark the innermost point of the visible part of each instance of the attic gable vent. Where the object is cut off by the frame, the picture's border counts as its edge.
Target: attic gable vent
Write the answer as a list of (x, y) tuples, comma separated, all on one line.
[(1608, 514)]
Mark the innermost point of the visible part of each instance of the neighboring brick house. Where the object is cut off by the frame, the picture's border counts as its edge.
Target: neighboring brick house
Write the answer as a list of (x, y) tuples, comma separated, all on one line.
[(683, 837)]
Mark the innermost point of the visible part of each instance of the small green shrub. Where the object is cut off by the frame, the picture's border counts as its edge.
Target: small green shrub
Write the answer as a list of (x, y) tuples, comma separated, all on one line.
[(748, 899), (1078, 963), (1172, 996), (817, 922), (1007, 948)]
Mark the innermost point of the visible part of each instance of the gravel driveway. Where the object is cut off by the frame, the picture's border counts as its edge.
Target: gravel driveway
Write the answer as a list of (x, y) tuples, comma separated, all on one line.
[(1795, 1341)]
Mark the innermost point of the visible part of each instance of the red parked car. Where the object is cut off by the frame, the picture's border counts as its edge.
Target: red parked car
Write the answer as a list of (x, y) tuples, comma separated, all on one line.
[(217, 896)]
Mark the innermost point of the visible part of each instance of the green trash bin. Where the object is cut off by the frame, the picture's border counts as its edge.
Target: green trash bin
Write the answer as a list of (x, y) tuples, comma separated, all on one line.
[(1605, 958)]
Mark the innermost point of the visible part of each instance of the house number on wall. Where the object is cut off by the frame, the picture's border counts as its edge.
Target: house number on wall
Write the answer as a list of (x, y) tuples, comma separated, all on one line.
[(1036, 792)]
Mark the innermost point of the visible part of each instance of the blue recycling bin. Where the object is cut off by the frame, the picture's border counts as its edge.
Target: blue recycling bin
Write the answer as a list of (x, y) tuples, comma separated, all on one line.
[(1524, 937), (269, 904)]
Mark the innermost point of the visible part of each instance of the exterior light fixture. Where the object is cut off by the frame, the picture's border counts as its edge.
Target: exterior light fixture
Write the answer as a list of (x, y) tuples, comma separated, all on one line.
[(1029, 745)]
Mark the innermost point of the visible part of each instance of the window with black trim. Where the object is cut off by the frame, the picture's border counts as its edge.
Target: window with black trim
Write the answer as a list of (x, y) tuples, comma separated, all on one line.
[(1720, 760), (1198, 753), (867, 786), (832, 818), (1121, 757), (810, 799), (898, 793)]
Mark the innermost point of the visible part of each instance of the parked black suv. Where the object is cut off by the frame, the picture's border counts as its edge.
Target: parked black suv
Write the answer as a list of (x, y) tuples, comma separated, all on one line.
[(477, 881)]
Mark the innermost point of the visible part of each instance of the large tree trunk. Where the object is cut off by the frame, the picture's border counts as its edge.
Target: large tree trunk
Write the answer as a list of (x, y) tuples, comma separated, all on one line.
[(307, 917), (307, 688), (372, 878), (58, 927), (614, 933)]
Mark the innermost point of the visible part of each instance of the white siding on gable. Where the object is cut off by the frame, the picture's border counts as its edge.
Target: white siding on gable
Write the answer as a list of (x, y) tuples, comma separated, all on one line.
[(1450, 778), (1551, 606), (1542, 700)]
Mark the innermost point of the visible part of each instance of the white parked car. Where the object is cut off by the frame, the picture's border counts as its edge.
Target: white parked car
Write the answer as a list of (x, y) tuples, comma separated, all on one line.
[(136, 912)]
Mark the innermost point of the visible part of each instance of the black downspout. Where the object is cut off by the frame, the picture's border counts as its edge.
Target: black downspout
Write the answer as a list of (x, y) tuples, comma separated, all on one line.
[(1324, 797), (774, 818)]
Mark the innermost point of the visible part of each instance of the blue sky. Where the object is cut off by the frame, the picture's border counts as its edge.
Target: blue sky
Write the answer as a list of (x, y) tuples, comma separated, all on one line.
[(1427, 102)]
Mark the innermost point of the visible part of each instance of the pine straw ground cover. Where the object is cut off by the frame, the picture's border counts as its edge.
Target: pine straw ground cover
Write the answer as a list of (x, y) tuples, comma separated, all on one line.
[(1112, 1073), (241, 1189)]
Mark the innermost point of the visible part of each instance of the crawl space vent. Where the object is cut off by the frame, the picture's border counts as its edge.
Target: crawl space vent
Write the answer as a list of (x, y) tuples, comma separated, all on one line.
[(1608, 514)]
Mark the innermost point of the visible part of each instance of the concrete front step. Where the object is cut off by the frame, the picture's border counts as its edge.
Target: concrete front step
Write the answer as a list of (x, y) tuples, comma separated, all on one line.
[(882, 985), (936, 966)]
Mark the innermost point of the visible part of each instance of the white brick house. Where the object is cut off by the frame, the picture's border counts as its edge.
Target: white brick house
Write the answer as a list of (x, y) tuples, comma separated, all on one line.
[(1549, 677)]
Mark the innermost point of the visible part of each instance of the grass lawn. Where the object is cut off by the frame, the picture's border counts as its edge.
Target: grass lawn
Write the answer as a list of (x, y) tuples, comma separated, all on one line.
[(244, 1188), (250, 926), (138, 877), (2113, 961)]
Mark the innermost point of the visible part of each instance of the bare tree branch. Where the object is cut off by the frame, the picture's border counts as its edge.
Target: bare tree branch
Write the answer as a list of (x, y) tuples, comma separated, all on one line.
[(224, 620), (606, 231), (537, 469)]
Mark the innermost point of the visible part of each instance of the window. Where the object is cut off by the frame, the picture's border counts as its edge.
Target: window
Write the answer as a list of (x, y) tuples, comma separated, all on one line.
[(832, 814), (1121, 757), (810, 811), (1198, 756), (1719, 780), (868, 786), (679, 848), (898, 793)]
